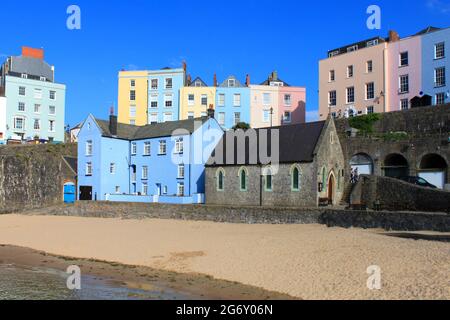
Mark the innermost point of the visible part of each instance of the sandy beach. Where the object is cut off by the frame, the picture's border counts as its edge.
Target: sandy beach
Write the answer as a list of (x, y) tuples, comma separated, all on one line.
[(304, 261)]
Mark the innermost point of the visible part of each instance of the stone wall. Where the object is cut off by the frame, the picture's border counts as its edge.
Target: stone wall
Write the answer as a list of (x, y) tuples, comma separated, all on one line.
[(281, 194), (402, 221), (33, 176), (396, 195), (427, 132)]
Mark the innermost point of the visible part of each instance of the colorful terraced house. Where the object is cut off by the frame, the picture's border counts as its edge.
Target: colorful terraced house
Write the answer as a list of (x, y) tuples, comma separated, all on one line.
[(162, 162), (386, 74)]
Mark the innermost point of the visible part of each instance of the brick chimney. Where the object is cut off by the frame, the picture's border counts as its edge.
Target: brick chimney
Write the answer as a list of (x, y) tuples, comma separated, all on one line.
[(393, 36), (247, 80), (215, 80), (274, 76), (33, 53), (184, 66), (189, 80), (112, 122), (211, 111)]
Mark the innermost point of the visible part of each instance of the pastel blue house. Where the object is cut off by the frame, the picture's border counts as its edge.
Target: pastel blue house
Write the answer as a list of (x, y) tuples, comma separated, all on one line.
[(163, 162), (436, 64), (232, 103), (164, 94)]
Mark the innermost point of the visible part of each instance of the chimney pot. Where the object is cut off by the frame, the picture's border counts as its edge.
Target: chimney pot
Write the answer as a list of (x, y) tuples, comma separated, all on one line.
[(211, 111), (215, 80), (393, 36), (247, 80), (184, 66)]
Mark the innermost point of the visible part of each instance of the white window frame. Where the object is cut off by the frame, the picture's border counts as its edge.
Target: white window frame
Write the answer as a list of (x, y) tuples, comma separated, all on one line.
[(332, 98), (287, 120), (168, 83), (147, 148), (202, 99), (237, 100), (144, 188), (237, 119), (181, 171), (221, 118), (38, 122), (436, 57), (162, 150), (144, 172), (22, 121), (403, 84), (332, 76), (180, 189), (267, 98), (369, 66), (89, 169), (52, 95), (231, 83), (402, 101), (191, 102), (112, 168), (151, 84), (350, 71), (133, 148), (348, 95), (37, 108), (21, 107), (179, 146), (153, 99), (132, 111), (266, 116), (88, 148), (22, 91), (440, 98), (370, 94), (442, 80), (168, 98), (221, 100)]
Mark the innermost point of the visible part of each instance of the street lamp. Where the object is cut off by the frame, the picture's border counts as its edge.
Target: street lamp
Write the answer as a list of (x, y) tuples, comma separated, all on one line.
[(271, 117)]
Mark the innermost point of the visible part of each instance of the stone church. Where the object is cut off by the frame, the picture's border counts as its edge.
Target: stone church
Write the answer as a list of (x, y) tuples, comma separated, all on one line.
[(298, 165)]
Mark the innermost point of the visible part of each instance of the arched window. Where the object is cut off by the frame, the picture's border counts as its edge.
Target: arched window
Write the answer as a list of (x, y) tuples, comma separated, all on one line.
[(295, 178), (220, 179), (324, 177), (268, 179), (243, 179)]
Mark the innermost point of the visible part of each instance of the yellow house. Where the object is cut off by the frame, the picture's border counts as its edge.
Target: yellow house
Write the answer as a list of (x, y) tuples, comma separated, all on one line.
[(133, 97), (196, 99)]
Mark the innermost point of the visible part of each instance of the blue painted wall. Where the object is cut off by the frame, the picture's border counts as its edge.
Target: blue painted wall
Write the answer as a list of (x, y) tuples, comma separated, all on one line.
[(12, 111), (229, 109), (429, 63), (162, 168), (178, 80)]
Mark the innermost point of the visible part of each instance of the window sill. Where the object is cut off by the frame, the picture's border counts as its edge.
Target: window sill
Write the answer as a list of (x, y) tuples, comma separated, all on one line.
[(437, 59), (405, 66), (439, 86), (402, 93)]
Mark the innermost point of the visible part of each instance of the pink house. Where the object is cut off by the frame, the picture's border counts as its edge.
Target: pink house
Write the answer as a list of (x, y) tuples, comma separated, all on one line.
[(403, 72), (292, 104)]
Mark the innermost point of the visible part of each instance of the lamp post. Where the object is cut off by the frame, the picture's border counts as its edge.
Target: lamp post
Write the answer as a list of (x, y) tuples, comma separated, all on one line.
[(271, 117)]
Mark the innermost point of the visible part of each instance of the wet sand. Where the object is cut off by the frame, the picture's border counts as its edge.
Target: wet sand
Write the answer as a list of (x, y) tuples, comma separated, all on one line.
[(304, 261), (152, 284)]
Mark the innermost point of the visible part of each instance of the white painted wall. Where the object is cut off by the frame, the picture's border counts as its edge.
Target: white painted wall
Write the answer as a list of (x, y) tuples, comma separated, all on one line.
[(2, 120)]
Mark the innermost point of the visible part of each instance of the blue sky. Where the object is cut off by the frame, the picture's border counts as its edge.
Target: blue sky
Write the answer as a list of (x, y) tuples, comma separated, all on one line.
[(226, 37)]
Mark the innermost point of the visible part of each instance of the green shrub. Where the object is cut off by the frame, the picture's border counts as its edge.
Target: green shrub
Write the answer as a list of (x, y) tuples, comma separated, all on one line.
[(365, 123)]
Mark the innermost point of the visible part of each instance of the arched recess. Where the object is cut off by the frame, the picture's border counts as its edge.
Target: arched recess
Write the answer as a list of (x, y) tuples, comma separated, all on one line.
[(395, 166), (433, 168), (363, 162)]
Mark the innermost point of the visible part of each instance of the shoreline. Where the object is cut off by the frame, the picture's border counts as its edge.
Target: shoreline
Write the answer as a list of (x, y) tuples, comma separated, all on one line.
[(302, 261), (193, 286)]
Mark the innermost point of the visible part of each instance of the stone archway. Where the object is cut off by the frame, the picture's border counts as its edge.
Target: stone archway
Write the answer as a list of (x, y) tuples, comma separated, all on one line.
[(331, 188), (363, 162), (395, 166), (433, 168)]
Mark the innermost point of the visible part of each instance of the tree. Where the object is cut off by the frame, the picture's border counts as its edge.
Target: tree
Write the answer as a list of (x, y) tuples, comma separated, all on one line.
[(242, 126)]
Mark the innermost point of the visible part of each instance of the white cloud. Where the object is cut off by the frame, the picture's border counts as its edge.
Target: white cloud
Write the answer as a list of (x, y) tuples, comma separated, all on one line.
[(312, 116), (442, 6)]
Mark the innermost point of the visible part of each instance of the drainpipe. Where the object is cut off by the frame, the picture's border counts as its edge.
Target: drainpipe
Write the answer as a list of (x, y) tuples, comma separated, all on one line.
[(260, 188)]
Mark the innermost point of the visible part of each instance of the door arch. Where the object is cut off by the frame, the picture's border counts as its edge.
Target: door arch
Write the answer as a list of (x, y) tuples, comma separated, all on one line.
[(395, 166), (433, 168), (331, 188)]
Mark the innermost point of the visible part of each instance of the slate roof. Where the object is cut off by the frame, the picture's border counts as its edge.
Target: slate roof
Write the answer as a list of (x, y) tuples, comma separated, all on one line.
[(131, 132), (430, 29), (268, 81), (296, 142), (224, 84), (31, 66), (198, 79)]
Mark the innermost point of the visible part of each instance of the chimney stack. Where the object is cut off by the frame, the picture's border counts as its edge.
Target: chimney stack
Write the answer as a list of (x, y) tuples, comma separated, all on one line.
[(112, 122), (184, 66), (247, 80), (211, 111), (393, 36), (189, 80), (274, 76), (215, 80), (33, 53)]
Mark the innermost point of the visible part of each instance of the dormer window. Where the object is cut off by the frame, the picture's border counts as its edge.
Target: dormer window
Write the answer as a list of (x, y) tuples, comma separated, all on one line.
[(24, 76), (198, 83), (372, 43), (231, 83), (352, 48)]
